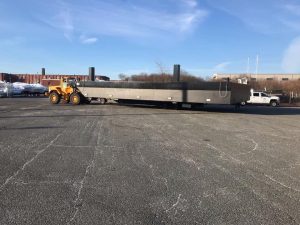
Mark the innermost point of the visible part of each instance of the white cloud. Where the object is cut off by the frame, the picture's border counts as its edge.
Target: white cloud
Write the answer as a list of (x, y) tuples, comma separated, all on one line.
[(291, 58), (293, 25), (191, 3), (295, 9), (64, 21), (119, 18), (186, 22), (267, 16), (293, 20), (221, 67), (88, 40)]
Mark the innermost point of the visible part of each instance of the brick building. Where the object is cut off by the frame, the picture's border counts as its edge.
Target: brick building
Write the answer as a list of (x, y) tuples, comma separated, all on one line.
[(258, 77), (45, 80)]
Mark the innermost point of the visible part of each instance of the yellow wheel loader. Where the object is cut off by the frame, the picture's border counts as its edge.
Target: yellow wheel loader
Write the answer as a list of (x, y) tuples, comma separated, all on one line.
[(67, 92)]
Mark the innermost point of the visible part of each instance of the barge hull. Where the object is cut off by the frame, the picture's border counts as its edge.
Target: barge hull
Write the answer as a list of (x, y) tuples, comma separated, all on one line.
[(204, 92)]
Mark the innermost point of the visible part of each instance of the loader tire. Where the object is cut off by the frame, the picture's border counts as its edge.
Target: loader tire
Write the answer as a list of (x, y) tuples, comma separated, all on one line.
[(54, 98), (75, 99)]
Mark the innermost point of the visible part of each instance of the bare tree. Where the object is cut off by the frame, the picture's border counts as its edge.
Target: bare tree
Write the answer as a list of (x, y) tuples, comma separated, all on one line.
[(122, 76), (161, 67)]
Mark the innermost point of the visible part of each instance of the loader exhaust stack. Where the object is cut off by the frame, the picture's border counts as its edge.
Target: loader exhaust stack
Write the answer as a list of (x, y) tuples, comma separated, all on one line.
[(92, 73), (176, 73)]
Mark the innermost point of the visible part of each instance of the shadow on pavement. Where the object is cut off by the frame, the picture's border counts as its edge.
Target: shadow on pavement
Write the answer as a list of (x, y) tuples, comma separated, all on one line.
[(258, 110), (28, 128), (251, 110)]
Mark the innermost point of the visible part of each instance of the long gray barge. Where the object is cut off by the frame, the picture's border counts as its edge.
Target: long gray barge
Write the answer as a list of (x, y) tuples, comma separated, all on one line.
[(228, 93)]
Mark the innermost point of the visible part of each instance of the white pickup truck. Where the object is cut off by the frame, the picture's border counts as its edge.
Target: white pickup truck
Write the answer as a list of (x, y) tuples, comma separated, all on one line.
[(262, 98)]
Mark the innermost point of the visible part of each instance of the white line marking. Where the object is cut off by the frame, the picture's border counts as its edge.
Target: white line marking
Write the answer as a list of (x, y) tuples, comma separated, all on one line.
[(28, 163), (224, 154), (252, 150), (175, 204), (73, 146), (20, 182), (87, 170), (282, 184), (77, 200)]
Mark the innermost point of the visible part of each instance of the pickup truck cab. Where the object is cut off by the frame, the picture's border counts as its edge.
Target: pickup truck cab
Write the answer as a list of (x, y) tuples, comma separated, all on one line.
[(262, 98)]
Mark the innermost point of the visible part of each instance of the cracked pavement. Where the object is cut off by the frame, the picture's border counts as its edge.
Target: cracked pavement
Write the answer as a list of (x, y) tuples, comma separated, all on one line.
[(113, 164)]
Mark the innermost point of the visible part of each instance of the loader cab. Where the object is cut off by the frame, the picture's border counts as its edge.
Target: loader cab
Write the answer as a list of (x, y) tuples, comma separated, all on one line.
[(68, 82), (64, 83)]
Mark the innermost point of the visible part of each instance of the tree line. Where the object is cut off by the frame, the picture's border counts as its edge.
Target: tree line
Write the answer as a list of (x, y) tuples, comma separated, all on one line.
[(159, 77)]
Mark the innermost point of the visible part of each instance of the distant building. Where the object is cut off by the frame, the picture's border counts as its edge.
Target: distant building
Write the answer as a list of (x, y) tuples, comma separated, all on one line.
[(258, 77), (45, 80)]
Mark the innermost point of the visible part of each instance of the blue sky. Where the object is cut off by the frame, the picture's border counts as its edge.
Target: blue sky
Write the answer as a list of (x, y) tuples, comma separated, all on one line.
[(133, 36)]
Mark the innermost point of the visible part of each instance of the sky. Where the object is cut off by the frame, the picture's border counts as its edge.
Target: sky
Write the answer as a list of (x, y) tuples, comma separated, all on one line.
[(135, 36)]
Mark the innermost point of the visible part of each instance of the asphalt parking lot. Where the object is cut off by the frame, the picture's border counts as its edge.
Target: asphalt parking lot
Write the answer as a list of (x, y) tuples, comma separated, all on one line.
[(112, 164)]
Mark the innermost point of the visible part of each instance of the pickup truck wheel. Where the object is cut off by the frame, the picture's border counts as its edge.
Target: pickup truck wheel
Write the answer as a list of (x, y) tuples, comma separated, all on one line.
[(54, 98), (273, 103), (75, 99)]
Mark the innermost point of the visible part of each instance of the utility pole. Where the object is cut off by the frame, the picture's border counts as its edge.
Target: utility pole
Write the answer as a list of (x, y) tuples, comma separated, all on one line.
[(257, 61), (248, 66)]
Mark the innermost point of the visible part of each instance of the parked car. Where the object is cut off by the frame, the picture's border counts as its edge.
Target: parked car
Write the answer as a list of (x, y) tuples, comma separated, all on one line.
[(262, 98)]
